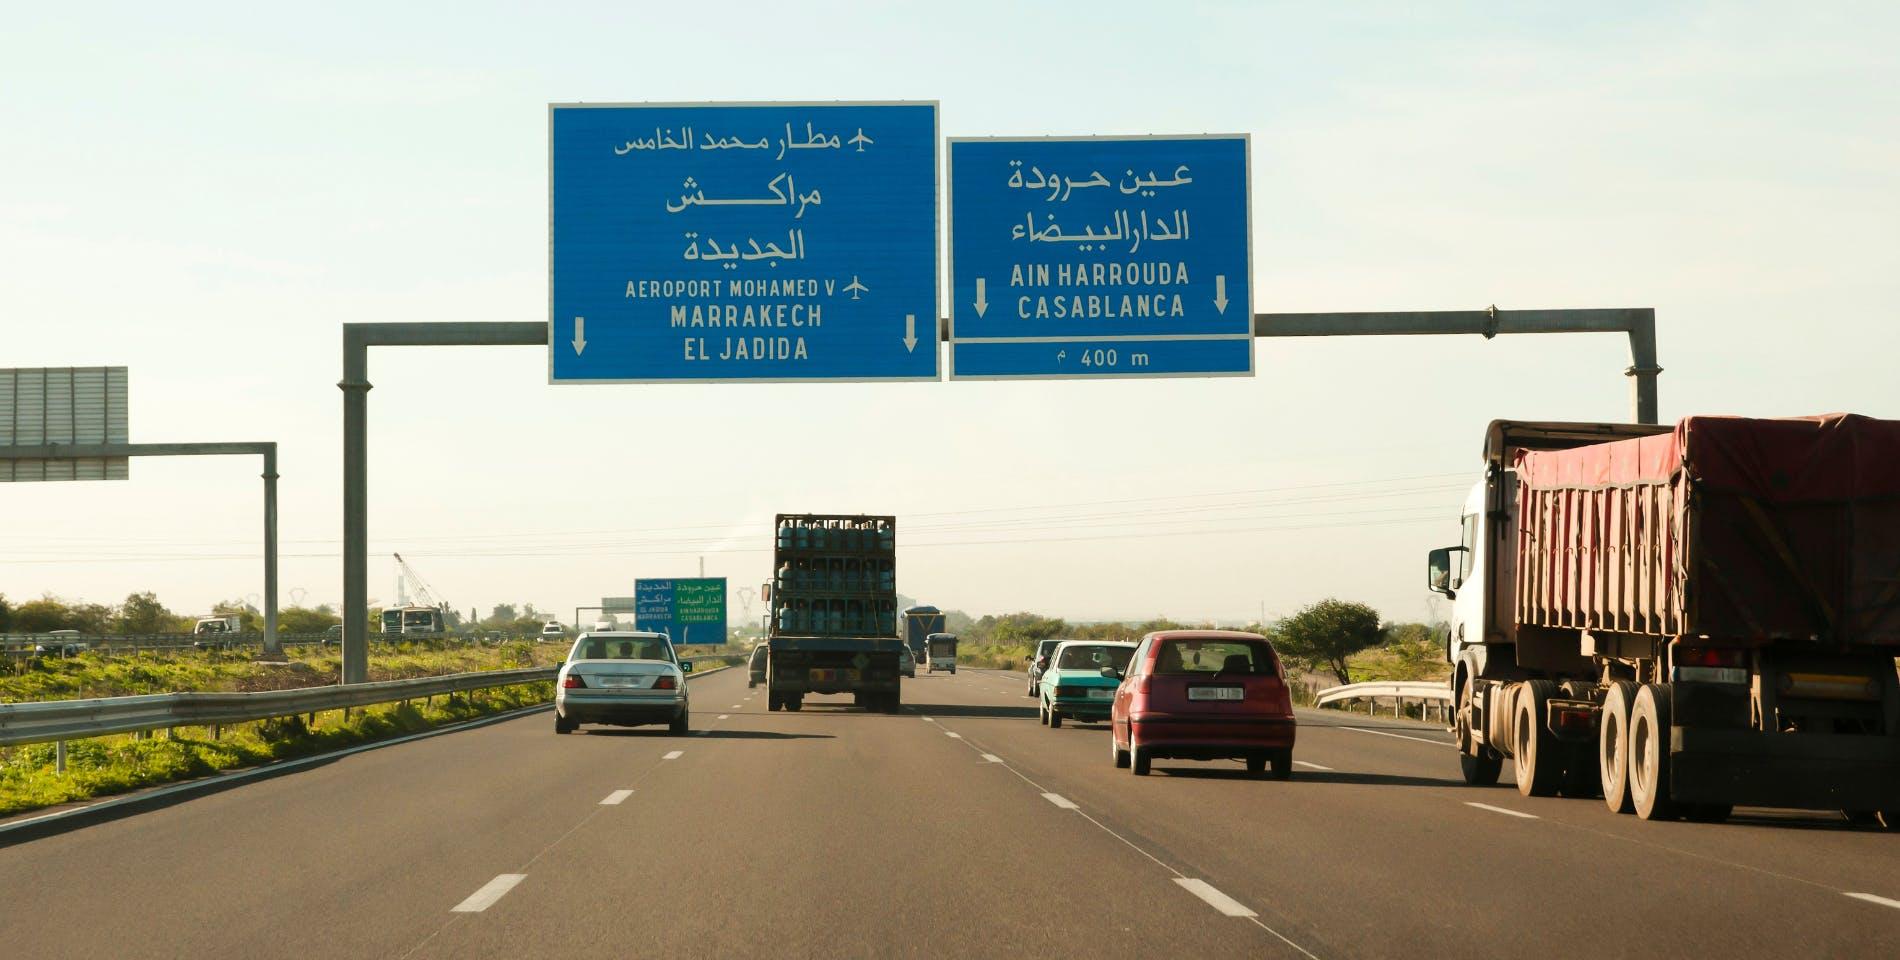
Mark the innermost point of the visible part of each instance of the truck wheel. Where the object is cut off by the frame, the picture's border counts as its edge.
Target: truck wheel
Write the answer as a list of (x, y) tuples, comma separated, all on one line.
[(795, 703), (1481, 771), (1649, 753), (1613, 747), (894, 703), (1055, 718), (1890, 819), (1115, 752), (772, 702), (1537, 759)]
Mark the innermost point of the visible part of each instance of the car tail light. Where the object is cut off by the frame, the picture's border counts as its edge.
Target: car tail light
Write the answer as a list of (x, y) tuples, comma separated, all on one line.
[(572, 681), (1141, 685), (664, 683)]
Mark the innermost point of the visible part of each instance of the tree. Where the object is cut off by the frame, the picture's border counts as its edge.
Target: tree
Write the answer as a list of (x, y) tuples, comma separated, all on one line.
[(249, 620), (304, 620), (143, 614), (44, 615), (6, 615), (504, 613), (1326, 633)]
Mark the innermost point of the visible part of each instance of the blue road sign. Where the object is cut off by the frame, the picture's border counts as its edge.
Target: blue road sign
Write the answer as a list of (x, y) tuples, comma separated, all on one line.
[(1100, 257), (691, 610), (742, 242)]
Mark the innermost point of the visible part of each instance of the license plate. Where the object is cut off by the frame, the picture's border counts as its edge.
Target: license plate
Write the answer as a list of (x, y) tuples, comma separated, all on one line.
[(1215, 693), (1101, 694), (618, 682)]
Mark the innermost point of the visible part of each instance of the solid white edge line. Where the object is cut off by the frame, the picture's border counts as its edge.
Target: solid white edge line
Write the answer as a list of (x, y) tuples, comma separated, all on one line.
[(673, 755), (1503, 810), (1310, 765), (1398, 736), (1870, 898), (992, 758), (1214, 898), (490, 892), (1060, 800), (614, 799)]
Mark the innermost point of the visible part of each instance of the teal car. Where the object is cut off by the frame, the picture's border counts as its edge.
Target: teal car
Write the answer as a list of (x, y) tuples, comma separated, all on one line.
[(1073, 687)]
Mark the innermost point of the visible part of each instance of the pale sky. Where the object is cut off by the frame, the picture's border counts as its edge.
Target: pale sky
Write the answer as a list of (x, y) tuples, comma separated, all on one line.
[(204, 193)]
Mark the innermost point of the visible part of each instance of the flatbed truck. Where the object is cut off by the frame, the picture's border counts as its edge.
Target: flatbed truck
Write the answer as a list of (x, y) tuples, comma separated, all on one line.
[(833, 622)]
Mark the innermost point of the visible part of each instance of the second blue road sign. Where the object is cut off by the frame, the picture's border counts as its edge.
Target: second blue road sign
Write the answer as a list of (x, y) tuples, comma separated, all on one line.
[(1100, 257), (708, 242)]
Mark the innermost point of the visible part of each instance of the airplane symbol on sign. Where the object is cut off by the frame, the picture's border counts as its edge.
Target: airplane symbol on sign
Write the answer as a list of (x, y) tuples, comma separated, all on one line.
[(856, 288)]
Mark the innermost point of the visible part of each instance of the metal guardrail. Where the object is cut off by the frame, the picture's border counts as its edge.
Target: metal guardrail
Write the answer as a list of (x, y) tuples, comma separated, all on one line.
[(19, 645), (1398, 689), (52, 720)]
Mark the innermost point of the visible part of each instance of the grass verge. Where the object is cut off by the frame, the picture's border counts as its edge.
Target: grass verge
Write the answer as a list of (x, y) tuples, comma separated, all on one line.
[(103, 766)]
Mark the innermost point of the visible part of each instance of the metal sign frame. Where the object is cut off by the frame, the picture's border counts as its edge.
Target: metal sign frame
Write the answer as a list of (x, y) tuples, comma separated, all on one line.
[(1244, 309), (937, 225)]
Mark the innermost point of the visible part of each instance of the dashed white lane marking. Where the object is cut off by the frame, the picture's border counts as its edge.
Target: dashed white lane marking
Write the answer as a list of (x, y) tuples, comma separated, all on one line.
[(738, 706), (1059, 800), (673, 755), (1870, 898), (724, 716), (1214, 898), (953, 736), (614, 799), (930, 719), (1396, 736), (1503, 810), (1307, 764), (490, 892), (992, 758)]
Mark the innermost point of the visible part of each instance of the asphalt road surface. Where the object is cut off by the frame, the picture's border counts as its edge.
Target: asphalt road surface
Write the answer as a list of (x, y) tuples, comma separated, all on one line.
[(960, 828)]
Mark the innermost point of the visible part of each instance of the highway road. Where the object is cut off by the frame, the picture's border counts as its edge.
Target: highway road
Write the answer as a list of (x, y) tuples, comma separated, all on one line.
[(959, 828)]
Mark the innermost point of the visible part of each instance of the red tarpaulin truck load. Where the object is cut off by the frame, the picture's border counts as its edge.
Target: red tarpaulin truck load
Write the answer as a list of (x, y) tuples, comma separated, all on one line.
[(1682, 620)]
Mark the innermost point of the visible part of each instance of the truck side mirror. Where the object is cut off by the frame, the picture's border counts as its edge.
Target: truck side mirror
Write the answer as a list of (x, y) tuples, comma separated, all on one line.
[(1439, 576), (765, 592)]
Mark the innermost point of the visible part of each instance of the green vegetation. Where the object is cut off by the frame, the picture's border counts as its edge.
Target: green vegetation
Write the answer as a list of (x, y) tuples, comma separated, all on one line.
[(94, 675), (1326, 633), (109, 765)]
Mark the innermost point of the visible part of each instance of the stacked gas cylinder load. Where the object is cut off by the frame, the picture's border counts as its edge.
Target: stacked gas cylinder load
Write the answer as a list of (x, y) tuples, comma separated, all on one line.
[(836, 575)]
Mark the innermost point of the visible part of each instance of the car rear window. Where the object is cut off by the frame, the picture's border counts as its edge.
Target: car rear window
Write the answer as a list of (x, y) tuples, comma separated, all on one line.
[(1215, 656), (1094, 658), (614, 648)]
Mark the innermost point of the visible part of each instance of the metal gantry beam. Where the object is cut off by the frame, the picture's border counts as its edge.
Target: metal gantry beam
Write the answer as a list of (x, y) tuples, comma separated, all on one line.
[(1638, 323), (273, 646), (357, 339)]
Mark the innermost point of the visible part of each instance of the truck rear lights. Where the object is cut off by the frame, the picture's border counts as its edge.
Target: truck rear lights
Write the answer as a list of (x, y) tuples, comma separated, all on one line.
[(665, 683), (1576, 718), (1709, 657), (572, 681), (1825, 686)]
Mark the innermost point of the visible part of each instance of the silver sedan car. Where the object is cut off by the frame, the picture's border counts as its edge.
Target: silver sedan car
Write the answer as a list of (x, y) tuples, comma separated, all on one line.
[(624, 678)]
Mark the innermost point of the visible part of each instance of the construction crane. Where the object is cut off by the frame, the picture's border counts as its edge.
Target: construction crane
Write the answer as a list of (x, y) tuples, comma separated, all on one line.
[(412, 593)]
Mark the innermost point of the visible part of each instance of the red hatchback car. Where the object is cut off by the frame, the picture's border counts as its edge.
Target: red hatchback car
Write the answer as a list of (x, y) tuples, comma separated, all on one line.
[(1204, 695)]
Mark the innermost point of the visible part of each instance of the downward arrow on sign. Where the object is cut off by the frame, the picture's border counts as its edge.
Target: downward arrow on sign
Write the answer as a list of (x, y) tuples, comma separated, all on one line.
[(910, 332), (580, 335), (1220, 293), (982, 303)]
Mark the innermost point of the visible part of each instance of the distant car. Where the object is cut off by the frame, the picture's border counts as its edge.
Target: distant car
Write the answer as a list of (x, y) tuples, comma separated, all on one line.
[(1203, 695), (552, 630), (1074, 686), (906, 662), (623, 678), (333, 635), (59, 643), (755, 667), (1038, 662)]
